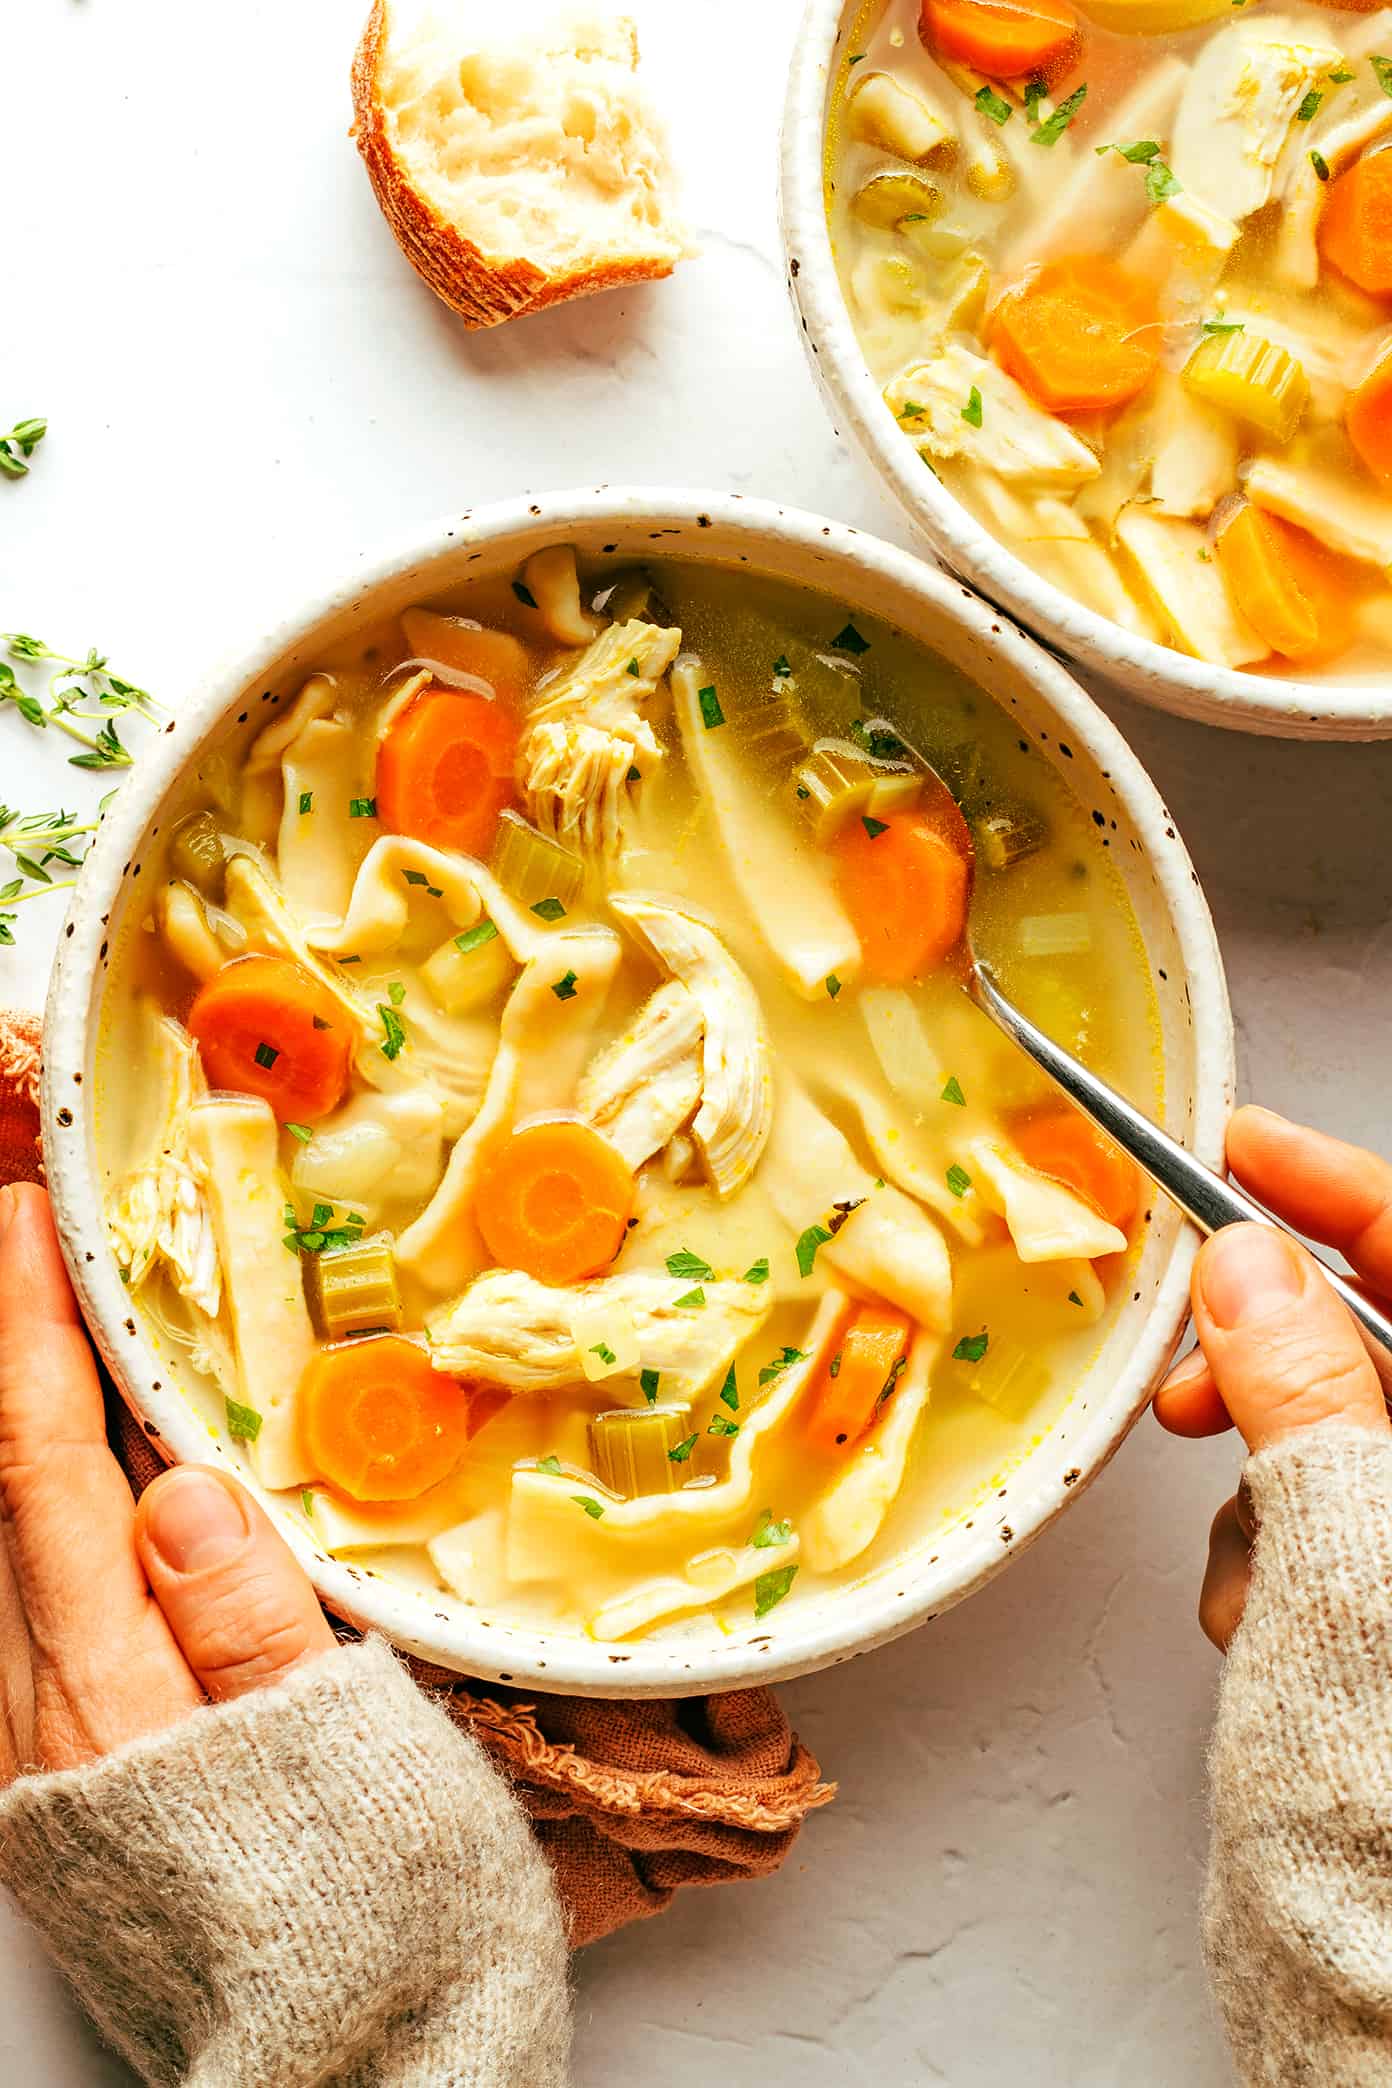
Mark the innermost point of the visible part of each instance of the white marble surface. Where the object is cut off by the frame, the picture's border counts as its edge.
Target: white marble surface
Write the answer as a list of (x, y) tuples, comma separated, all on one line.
[(246, 384)]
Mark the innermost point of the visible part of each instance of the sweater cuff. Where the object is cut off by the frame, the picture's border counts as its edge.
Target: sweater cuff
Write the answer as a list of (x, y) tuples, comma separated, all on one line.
[(324, 1879)]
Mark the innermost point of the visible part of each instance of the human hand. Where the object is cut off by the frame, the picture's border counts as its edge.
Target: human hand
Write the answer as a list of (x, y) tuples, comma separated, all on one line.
[(1277, 1351), (115, 1620)]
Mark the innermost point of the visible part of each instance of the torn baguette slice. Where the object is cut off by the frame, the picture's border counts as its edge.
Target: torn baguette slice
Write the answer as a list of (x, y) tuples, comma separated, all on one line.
[(519, 172)]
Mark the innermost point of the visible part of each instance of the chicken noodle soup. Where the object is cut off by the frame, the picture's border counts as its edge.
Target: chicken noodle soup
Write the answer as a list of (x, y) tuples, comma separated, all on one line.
[(562, 1156), (1124, 272)]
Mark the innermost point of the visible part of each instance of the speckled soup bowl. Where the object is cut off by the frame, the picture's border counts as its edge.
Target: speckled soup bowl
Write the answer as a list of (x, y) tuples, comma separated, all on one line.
[(183, 1420), (1269, 704)]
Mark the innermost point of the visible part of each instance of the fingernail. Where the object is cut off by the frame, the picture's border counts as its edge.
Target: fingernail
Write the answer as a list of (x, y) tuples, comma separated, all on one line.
[(1247, 1273), (194, 1521)]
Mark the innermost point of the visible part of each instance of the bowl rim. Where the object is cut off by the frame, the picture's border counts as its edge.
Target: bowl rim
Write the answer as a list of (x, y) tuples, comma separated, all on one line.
[(1275, 706), (464, 1640)]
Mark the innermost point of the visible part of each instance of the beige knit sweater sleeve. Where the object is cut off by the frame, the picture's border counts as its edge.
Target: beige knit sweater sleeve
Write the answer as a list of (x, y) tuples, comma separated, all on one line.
[(321, 1883), (1298, 1920)]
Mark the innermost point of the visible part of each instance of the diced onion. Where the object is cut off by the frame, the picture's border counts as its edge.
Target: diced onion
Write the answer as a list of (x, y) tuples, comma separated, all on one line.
[(1055, 935), (907, 1059)]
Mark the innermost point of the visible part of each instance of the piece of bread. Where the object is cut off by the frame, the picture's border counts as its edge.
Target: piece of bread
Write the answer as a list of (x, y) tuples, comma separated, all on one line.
[(515, 173)]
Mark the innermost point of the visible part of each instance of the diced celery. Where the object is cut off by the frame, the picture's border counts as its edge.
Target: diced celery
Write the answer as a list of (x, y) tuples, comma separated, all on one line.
[(902, 200), (1055, 935), (353, 1290), (532, 867), (196, 853), (838, 782), (1006, 836), (630, 1448), (469, 970), (1254, 379), (1011, 1380), (629, 594)]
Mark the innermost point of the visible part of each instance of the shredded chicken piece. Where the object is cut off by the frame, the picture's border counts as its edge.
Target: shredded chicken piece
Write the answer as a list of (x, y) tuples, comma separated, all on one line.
[(510, 1330), (732, 1125), (1015, 437), (1239, 108), (160, 1215), (587, 737), (641, 1089)]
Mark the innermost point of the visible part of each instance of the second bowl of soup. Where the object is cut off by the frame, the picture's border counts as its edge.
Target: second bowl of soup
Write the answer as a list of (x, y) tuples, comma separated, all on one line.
[(508, 1093), (1106, 291)]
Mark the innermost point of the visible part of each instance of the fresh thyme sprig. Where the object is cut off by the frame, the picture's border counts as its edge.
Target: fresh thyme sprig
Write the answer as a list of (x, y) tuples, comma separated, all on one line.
[(76, 685), (19, 445)]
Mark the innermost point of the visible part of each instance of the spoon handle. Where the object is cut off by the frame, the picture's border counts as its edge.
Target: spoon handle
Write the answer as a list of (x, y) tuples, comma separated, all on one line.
[(1201, 1194)]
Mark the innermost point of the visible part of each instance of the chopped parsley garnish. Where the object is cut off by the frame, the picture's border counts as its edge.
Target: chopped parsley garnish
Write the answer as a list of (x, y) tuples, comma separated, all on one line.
[(971, 1348), (848, 639), (300, 1131), (896, 1372), (306, 801), (721, 1425), (834, 1367), (833, 984), (635, 775), (911, 410), (971, 412), (604, 1352), (1309, 108), (321, 1232), (1053, 127), (634, 669), (243, 1422), (952, 1092), (649, 1380), (1320, 163), (873, 827), (770, 1588), (593, 1508), (993, 105), (550, 1465), (549, 910), (1339, 78), (474, 938), (1160, 180), (729, 1391), (318, 1020), (876, 739), (564, 987), (418, 877), (690, 1301), (958, 1180), (1222, 326), (1074, 1299), (1036, 91), (782, 668), (856, 58), (396, 993), (1144, 149), (266, 1055), (350, 960), (784, 1360), (524, 594), (768, 1533), (307, 1500), (685, 1263), (711, 713), (393, 1031), (362, 808), (757, 1272), (808, 1242), (1382, 73), (679, 1452)]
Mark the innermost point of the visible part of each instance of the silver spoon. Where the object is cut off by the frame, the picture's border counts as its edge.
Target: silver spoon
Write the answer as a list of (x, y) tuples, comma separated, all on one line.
[(1202, 1195)]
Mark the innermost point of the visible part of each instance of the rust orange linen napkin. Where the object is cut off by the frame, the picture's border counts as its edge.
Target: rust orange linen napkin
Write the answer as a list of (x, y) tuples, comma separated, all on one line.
[(628, 1800)]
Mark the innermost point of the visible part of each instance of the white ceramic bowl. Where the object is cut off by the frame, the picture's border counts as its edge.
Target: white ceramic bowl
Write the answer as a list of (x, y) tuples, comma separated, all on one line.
[(1170, 680), (1049, 709)]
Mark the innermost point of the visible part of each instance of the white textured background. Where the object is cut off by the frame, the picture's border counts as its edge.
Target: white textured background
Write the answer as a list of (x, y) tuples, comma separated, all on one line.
[(246, 386)]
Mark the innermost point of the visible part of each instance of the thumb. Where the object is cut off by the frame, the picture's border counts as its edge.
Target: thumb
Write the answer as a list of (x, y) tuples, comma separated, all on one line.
[(242, 1610), (1283, 1351)]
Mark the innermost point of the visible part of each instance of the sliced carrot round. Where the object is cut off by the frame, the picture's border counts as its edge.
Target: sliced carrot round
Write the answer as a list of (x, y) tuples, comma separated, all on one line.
[(444, 770), (905, 882), (265, 1026), (1069, 1147), (1355, 231), (1006, 39), (860, 1373), (1080, 335), (554, 1199), (1296, 594), (378, 1422), (1368, 418)]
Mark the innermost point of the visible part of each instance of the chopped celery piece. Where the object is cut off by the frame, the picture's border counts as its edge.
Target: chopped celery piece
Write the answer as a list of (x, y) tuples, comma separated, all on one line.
[(1011, 1380), (1255, 380), (1055, 935), (1005, 837), (196, 854), (469, 970), (768, 724), (631, 594), (631, 1448), (961, 769), (896, 199), (837, 783), (353, 1290), (532, 867)]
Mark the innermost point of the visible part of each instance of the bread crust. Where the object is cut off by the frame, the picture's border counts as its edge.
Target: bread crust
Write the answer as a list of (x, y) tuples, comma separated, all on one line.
[(481, 291)]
